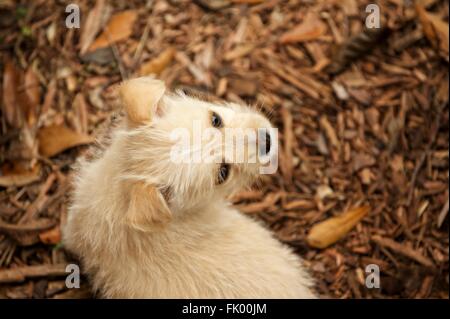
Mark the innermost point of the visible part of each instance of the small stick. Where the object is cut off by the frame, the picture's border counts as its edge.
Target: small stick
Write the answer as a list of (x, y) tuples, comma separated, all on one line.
[(424, 155), (289, 140), (404, 250), (21, 273), (140, 48), (36, 206), (443, 214)]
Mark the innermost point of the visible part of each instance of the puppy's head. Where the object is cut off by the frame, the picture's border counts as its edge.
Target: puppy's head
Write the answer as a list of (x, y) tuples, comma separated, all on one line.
[(188, 152)]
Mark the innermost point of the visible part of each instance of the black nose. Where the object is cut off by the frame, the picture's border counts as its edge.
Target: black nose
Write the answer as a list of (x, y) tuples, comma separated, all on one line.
[(265, 146), (268, 143)]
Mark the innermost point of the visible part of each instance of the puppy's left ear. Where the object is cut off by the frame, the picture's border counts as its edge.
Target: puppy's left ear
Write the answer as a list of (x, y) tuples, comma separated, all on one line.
[(141, 98), (147, 208)]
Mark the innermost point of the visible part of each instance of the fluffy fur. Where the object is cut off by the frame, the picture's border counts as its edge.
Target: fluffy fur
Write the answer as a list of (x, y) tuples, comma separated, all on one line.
[(146, 227)]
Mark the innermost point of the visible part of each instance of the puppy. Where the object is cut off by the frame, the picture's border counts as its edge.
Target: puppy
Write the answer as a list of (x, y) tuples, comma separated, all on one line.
[(146, 224)]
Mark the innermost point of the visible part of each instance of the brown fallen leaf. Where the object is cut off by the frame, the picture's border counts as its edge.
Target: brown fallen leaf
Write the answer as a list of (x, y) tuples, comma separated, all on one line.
[(119, 27), (158, 64), (94, 21), (22, 178), (310, 29), (435, 29), (33, 95), (81, 112), (49, 96), (11, 80), (51, 236), (331, 230), (56, 138)]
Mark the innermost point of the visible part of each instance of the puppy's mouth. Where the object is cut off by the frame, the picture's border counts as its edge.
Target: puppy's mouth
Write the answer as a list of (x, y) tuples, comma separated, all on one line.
[(167, 193), (264, 145)]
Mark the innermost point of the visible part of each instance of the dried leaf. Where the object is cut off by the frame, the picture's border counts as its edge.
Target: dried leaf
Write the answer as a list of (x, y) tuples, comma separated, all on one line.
[(435, 29), (81, 111), (11, 110), (51, 236), (49, 96), (119, 27), (310, 29), (22, 178), (158, 64), (94, 21), (331, 230), (33, 95), (57, 138)]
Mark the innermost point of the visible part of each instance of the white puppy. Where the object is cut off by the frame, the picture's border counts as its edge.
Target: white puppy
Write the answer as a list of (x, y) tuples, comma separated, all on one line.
[(146, 225)]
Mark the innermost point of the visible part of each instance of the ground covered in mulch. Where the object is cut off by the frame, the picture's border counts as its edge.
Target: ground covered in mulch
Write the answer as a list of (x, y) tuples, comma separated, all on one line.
[(362, 117)]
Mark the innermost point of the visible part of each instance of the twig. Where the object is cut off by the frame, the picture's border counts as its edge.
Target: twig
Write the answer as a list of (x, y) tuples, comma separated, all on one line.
[(116, 54), (424, 155), (404, 250), (36, 206), (289, 139), (123, 73), (140, 48), (9, 136), (36, 226), (443, 214), (21, 273)]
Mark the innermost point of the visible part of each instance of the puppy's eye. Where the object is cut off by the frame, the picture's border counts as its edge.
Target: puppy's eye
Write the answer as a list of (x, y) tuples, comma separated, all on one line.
[(216, 120), (224, 172)]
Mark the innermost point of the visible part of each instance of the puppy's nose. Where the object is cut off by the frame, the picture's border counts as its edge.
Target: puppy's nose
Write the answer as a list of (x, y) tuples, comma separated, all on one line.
[(264, 147)]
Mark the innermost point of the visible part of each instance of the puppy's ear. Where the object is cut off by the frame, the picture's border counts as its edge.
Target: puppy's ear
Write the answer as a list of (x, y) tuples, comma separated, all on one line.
[(141, 99), (147, 209)]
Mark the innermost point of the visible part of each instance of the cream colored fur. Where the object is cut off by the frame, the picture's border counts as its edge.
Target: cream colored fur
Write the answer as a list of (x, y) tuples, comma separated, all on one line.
[(145, 227)]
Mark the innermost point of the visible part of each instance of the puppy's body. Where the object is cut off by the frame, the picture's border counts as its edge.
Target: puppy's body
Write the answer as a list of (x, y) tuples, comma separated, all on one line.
[(136, 243)]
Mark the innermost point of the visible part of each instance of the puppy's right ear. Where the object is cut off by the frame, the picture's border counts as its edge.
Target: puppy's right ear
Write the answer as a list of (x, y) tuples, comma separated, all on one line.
[(141, 99), (147, 208)]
